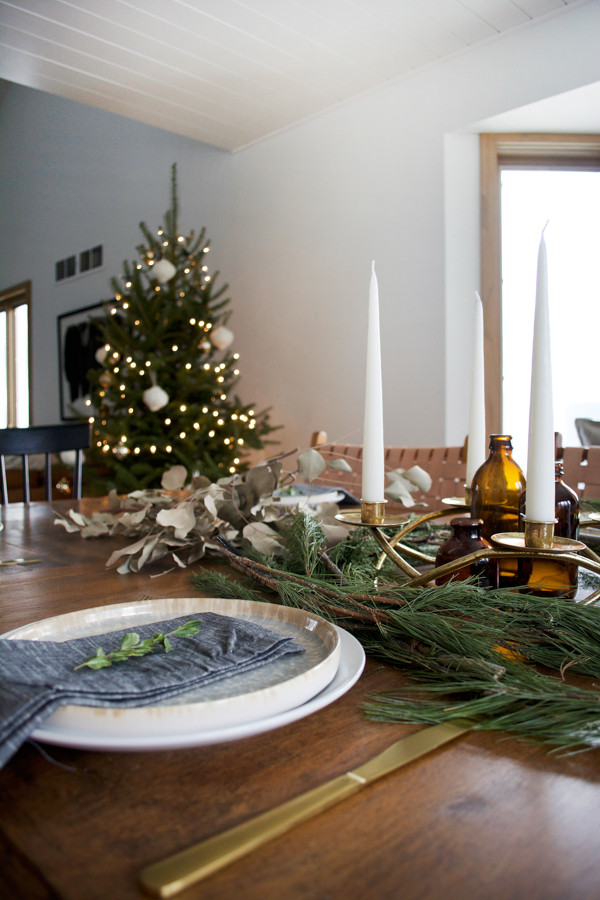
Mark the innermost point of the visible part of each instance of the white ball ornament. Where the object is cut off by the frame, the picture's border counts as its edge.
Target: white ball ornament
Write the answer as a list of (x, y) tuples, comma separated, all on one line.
[(100, 355), (221, 337), (163, 270), (155, 398)]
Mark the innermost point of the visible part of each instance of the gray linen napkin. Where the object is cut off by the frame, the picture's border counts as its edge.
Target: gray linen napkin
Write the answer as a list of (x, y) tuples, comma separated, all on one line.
[(36, 677)]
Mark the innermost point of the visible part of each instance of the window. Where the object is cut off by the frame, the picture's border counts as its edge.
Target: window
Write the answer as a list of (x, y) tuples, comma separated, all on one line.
[(14, 356), (513, 153)]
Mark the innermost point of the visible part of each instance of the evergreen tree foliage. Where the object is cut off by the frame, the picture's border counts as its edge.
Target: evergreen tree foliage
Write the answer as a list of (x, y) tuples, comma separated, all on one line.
[(164, 334)]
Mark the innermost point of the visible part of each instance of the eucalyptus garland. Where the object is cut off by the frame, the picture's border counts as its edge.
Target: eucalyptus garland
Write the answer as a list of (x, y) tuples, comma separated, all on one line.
[(477, 654)]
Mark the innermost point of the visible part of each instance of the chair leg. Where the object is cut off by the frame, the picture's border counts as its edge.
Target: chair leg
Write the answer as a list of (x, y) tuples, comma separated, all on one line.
[(3, 485), (77, 474), (26, 492), (48, 477)]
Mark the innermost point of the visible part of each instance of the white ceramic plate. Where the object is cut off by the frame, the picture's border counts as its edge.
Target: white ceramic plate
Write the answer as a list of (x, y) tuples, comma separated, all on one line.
[(266, 692), (352, 662)]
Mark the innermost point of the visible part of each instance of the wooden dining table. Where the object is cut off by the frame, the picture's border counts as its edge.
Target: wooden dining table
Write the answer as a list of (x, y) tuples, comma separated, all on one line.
[(486, 816)]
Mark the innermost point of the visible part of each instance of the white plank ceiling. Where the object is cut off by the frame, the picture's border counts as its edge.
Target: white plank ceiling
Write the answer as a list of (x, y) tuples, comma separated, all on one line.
[(231, 72)]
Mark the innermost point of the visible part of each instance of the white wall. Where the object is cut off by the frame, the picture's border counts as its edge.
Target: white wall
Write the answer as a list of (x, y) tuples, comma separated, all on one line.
[(74, 177), (314, 205), (380, 178)]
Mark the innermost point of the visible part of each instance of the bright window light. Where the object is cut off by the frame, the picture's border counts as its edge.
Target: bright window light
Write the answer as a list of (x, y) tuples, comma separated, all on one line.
[(569, 202)]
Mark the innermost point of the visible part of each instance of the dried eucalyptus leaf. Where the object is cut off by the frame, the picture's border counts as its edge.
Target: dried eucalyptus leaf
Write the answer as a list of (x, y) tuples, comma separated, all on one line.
[(124, 568), (269, 514), (94, 529), (181, 518), (311, 464), (125, 551), (262, 538), (261, 480), (200, 482), (420, 478), (70, 527), (210, 505), (173, 479), (107, 518), (398, 490), (400, 475), (159, 551), (129, 519), (196, 553), (78, 518), (229, 512), (340, 464), (244, 498), (141, 561), (276, 468), (204, 523)]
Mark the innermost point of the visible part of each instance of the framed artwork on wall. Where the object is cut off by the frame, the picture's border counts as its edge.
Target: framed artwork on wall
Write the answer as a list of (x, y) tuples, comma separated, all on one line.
[(79, 339)]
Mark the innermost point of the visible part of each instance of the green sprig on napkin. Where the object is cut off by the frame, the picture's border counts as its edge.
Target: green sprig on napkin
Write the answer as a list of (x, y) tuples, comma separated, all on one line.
[(132, 646)]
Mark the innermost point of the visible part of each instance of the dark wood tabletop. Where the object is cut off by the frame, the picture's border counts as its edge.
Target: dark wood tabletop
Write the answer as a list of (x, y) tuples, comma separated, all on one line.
[(485, 817)]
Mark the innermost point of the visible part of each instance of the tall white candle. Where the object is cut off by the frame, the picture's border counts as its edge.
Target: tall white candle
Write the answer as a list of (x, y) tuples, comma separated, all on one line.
[(372, 470), (477, 445), (540, 457)]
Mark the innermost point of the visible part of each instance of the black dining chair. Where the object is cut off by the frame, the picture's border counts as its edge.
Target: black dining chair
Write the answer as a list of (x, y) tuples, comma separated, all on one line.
[(43, 439)]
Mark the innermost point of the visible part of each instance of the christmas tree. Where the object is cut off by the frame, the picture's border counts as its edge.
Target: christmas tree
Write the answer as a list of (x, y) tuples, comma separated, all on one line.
[(163, 393)]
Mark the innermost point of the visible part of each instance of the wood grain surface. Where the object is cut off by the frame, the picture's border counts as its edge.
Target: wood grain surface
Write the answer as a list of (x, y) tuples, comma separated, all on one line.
[(486, 817)]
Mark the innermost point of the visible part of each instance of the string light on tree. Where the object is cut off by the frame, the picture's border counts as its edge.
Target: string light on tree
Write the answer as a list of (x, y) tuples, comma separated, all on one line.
[(172, 404)]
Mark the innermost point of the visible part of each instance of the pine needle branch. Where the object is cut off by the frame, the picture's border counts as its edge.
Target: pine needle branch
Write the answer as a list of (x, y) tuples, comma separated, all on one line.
[(476, 649)]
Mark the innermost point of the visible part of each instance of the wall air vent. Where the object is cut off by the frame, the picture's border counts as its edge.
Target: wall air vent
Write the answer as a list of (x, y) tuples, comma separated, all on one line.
[(88, 260)]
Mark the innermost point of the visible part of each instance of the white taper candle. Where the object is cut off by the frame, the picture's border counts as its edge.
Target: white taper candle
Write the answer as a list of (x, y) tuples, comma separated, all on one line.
[(540, 458), (477, 445), (372, 469)]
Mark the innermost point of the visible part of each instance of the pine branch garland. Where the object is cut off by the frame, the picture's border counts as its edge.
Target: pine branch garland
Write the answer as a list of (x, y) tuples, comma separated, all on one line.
[(477, 649)]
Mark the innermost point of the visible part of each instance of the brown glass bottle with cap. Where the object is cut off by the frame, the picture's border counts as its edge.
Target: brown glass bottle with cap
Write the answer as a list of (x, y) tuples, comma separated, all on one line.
[(544, 577), (466, 538), (495, 493)]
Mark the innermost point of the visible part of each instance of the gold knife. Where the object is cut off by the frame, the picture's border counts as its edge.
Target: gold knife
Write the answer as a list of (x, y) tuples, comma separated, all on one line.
[(175, 873)]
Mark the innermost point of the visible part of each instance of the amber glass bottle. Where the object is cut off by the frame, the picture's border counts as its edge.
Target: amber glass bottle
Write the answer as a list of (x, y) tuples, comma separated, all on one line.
[(546, 578), (466, 538), (495, 493)]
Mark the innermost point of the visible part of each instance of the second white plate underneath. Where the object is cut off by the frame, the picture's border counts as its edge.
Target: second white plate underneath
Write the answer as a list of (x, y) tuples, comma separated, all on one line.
[(273, 688), (352, 662)]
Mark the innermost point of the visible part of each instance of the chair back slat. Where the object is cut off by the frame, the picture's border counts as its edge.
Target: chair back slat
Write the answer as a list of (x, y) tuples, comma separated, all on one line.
[(591, 475), (575, 467), (43, 439)]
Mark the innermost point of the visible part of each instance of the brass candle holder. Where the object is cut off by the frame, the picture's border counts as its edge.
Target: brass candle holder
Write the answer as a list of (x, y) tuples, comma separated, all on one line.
[(372, 516), (537, 542)]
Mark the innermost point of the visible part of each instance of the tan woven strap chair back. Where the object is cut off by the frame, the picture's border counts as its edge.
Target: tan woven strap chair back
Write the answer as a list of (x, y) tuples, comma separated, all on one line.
[(445, 465)]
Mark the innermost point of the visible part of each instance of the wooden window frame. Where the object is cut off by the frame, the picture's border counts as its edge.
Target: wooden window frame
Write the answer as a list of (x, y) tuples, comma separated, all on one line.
[(516, 151), (18, 295)]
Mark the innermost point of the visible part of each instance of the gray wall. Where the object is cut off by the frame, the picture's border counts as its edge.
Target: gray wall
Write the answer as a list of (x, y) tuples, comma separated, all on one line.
[(74, 177)]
